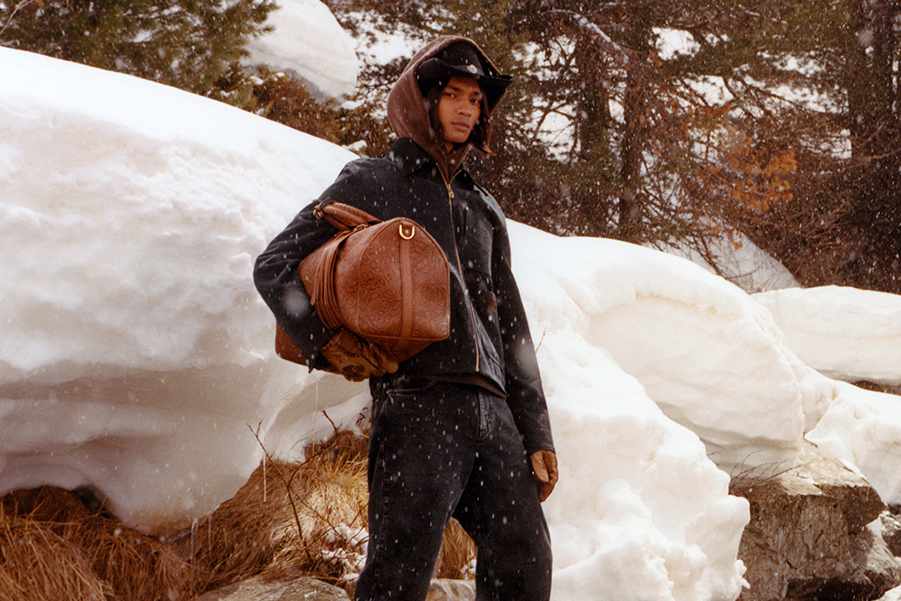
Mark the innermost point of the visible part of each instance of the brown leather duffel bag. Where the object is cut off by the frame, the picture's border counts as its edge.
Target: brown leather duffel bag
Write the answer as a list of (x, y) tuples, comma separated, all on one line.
[(386, 281)]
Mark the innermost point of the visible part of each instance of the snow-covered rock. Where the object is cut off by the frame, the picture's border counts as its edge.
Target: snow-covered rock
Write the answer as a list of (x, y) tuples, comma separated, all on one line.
[(308, 41), (846, 333), (813, 529)]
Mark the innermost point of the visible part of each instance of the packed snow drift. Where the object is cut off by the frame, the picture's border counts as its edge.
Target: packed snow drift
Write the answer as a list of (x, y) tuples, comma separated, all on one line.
[(845, 333), (307, 41), (135, 350), (137, 356)]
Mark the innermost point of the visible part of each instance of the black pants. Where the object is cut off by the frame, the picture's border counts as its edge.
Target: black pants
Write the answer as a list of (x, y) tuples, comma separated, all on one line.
[(450, 449)]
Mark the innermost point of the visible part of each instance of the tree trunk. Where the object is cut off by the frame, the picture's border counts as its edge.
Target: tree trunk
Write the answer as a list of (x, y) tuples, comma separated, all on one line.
[(875, 218), (594, 159), (638, 39)]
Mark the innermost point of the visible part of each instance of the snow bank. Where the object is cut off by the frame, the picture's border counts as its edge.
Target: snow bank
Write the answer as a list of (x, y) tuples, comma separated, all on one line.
[(135, 351), (846, 333), (309, 41), (639, 512), (863, 429), (706, 353)]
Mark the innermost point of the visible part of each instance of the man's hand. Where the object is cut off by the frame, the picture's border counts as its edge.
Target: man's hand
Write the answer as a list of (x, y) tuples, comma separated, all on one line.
[(544, 466), (356, 358)]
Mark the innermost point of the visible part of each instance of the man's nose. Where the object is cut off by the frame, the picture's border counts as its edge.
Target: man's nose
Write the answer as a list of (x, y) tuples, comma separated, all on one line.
[(464, 109)]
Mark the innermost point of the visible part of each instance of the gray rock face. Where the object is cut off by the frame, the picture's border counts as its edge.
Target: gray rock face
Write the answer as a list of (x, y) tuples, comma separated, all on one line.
[(808, 537), (445, 589), (891, 532), (297, 589)]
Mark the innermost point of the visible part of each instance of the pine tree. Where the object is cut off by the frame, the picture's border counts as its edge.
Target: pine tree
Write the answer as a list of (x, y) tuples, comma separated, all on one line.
[(647, 158), (189, 44)]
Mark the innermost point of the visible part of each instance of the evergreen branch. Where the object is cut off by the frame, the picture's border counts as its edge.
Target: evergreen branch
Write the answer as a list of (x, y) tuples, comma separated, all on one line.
[(12, 15)]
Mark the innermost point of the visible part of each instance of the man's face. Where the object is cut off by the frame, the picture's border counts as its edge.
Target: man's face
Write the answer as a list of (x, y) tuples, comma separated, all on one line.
[(459, 108)]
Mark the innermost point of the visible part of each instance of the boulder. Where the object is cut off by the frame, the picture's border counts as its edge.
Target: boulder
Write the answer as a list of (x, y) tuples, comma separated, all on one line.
[(302, 588), (810, 536), (891, 531)]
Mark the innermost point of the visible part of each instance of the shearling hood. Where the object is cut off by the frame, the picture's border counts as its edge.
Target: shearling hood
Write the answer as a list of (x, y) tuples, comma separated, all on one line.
[(408, 109)]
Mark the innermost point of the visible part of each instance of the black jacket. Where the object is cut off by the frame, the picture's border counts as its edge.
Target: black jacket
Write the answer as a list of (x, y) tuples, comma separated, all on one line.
[(489, 332)]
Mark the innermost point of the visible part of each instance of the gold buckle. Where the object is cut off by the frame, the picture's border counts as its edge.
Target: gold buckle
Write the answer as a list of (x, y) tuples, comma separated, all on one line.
[(412, 230)]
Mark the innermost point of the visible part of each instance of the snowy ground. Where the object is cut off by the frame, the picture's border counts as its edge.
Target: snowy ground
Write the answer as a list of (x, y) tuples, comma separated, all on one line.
[(136, 352)]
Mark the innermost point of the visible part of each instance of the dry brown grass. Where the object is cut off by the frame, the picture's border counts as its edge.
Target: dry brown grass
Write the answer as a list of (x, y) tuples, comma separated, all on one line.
[(457, 552), (36, 564), (289, 518), (60, 541), (256, 531)]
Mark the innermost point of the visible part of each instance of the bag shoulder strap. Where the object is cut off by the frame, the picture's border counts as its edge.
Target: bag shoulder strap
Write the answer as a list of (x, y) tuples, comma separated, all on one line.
[(343, 216)]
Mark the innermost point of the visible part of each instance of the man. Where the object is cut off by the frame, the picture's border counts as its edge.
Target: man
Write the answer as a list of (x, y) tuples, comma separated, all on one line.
[(460, 429)]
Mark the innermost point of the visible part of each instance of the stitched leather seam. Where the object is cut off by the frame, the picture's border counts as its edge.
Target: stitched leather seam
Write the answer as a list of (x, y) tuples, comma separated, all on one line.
[(406, 324)]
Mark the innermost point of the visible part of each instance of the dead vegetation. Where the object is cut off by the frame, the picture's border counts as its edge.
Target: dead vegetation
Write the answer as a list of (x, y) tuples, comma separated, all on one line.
[(304, 518), (53, 547)]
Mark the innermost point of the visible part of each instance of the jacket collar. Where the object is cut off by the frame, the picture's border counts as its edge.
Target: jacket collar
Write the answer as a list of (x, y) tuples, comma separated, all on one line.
[(413, 158)]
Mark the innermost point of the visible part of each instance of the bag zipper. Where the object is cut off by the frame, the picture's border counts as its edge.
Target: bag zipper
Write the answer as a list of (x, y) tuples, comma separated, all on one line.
[(450, 205)]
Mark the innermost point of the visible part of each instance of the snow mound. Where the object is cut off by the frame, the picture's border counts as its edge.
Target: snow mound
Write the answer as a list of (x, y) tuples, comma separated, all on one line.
[(135, 350), (846, 333), (307, 40), (639, 512), (706, 353), (863, 429)]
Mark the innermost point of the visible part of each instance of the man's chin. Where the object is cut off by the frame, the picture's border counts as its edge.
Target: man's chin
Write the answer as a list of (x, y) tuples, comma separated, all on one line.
[(457, 139)]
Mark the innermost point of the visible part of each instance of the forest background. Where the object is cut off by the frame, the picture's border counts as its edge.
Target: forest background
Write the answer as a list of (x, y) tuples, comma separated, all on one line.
[(780, 123)]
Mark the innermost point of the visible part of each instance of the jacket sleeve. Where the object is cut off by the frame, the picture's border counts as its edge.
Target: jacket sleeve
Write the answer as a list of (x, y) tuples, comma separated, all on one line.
[(525, 395), (275, 277)]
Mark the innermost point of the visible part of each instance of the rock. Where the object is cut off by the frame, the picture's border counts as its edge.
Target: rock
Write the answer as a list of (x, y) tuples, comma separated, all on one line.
[(446, 589), (302, 588), (891, 531), (808, 537)]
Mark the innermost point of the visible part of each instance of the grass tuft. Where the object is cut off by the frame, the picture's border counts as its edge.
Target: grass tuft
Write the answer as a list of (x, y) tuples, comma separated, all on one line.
[(289, 519)]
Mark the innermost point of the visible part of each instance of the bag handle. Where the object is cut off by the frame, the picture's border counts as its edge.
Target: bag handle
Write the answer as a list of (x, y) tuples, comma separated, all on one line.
[(347, 219), (343, 216)]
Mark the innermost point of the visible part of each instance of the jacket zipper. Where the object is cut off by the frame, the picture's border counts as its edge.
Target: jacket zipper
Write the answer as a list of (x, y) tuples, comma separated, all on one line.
[(450, 205)]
